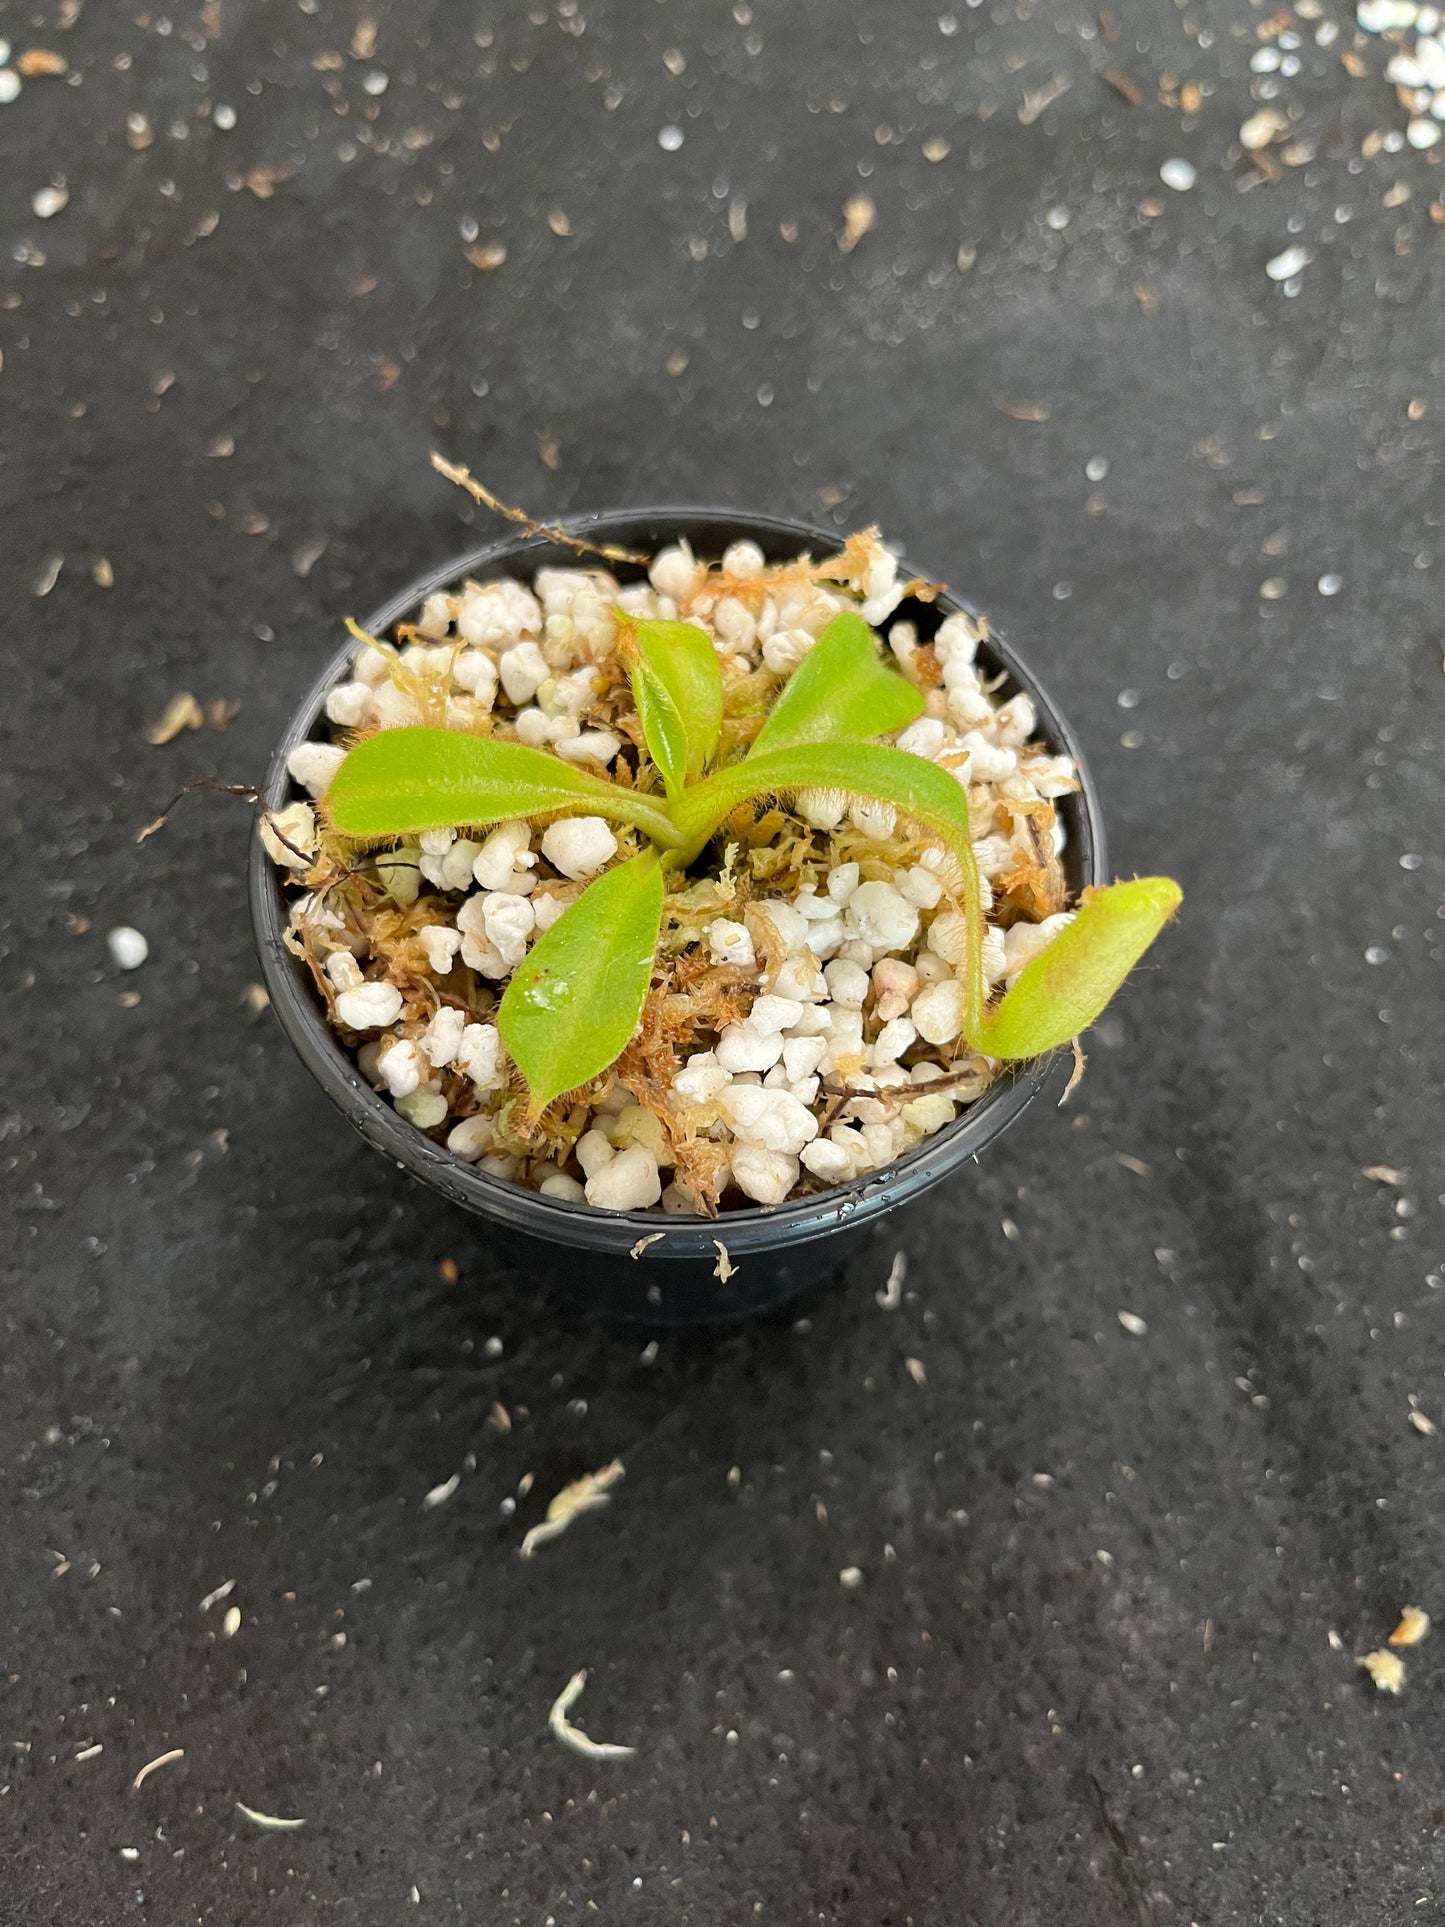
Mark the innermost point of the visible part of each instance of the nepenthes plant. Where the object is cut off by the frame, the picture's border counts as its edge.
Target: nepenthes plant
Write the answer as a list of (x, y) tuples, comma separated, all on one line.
[(574, 1003)]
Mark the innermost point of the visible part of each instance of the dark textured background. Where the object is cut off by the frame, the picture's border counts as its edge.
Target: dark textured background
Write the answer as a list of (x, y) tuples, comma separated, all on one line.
[(1087, 1675)]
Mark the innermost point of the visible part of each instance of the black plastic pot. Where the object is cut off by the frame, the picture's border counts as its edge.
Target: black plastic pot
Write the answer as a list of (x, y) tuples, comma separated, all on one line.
[(638, 1265)]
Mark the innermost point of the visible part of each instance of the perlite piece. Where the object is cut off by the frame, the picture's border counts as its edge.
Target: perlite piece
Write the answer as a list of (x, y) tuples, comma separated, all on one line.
[(127, 947), (1385, 1668)]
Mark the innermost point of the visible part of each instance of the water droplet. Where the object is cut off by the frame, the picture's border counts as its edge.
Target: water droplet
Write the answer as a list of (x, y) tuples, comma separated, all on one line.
[(669, 138), (1097, 467), (1128, 699), (1331, 584), (1179, 175), (1409, 861), (1377, 954)]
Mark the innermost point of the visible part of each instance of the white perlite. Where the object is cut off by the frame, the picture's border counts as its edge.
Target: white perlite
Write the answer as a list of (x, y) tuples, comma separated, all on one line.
[(1417, 69), (369, 1006), (579, 846), (825, 996), (127, 947)]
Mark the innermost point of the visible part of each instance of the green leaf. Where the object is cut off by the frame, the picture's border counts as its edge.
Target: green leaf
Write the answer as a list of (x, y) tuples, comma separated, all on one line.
[(401, 781), (840, 693), (1066, 986), (932, 796), (1063, 990), (576, 998), (929, 795), (678, 688)]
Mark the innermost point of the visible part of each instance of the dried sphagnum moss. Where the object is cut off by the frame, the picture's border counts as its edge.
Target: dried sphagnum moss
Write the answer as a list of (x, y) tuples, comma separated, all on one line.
[(375, 906)]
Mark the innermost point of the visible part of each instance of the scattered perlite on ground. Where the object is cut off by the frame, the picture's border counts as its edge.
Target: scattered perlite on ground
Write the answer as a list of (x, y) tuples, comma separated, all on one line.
[(817, 958), (1418, 67)]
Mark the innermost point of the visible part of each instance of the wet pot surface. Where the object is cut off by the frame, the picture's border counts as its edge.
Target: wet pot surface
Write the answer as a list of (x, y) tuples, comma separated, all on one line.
[(640, 1265)]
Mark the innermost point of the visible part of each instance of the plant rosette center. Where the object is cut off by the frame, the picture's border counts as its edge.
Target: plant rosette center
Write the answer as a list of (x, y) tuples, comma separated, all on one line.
[(695, 890)]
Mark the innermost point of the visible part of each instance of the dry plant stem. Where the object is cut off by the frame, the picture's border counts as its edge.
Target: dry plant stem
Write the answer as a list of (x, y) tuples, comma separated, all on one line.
[(561, 1728), (902, 1093), (247, 792), (154, 1766), (268, 1822), (463, 477), (1076, 1075)]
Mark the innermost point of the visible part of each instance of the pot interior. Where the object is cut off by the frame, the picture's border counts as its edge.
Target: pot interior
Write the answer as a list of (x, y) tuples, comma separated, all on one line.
[(683, 1238)]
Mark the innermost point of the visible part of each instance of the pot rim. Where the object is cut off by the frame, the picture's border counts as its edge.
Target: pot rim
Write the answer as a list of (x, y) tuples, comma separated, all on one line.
[(759, 1229)]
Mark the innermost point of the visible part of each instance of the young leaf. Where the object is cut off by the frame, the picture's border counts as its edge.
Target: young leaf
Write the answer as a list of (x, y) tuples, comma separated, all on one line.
[(932, 796), (678, 688), (575, 999), (929, 795), (1066, 986), (840, 693), (1064, 989), (401, 781)]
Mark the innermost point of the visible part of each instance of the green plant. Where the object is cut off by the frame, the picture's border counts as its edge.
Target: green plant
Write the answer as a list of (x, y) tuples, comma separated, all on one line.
[(575, 1001)]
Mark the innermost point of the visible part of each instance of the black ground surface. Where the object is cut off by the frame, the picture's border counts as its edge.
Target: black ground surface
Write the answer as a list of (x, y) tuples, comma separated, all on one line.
[(1100, 1664)]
